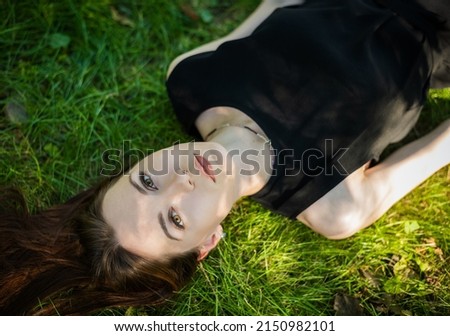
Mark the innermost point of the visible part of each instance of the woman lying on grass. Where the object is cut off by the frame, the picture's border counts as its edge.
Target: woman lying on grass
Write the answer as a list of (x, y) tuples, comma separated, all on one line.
[(294, 107)]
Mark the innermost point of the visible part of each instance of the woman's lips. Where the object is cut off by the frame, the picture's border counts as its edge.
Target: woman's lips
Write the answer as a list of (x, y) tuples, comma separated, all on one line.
[(205, 167)]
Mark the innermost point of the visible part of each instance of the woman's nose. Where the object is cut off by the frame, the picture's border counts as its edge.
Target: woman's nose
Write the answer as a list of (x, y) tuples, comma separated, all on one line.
[(184, 179)]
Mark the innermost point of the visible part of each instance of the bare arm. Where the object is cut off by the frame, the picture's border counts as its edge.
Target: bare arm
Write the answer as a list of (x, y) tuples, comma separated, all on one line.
[(366, 194), (243, 30), (409, 166)]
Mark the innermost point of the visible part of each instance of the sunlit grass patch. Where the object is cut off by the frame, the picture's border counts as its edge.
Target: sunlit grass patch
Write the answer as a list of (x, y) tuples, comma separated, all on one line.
[(87, 76)]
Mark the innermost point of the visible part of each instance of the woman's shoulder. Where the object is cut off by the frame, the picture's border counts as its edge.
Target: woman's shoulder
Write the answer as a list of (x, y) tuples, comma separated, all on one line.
[(243, 30), (211, 46)]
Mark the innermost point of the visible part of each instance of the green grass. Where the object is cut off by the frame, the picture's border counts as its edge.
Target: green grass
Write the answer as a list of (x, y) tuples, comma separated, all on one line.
[(88, 82)]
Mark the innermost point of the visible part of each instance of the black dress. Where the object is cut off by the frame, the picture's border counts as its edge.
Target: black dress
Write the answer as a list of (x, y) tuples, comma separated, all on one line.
[(331, 82)]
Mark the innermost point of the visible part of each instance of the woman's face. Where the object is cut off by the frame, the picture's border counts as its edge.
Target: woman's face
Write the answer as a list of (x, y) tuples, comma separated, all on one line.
[(169, 203)]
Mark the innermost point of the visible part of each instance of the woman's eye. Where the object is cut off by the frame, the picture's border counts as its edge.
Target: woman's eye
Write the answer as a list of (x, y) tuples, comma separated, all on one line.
[(147, 182), (176, 219)]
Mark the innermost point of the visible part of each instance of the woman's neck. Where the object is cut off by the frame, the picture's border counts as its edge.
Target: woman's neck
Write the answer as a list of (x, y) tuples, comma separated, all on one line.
[(249, 150), (216, 117)]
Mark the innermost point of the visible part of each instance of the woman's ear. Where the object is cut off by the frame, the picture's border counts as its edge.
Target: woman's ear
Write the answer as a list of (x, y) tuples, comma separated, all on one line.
[(210, 243)]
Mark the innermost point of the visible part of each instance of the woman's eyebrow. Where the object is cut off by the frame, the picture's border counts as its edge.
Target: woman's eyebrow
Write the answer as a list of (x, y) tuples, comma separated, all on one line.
[(162, 222)]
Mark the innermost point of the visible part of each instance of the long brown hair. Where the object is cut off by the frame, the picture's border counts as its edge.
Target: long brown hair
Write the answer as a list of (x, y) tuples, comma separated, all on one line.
[(66, 260)]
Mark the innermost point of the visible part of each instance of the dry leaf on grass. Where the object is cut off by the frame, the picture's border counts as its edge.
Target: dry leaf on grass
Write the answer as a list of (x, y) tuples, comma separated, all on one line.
[(16, 113), (346, 305), (121, 18)]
